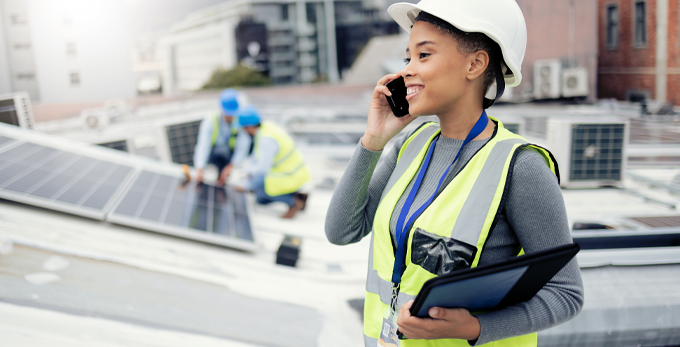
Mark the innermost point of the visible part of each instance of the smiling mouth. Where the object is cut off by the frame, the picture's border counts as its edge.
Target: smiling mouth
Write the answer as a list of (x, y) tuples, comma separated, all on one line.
[(412, 91)]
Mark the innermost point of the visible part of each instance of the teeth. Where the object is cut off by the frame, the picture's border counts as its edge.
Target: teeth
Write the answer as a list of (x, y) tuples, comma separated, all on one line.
[(413, 90)]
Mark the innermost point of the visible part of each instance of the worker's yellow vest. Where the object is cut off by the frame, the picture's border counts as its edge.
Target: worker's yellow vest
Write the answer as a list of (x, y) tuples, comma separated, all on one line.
[(233, 131), (288, 172), (462, 214)]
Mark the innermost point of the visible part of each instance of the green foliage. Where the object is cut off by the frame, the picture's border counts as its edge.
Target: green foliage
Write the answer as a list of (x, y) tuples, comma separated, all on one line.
[(239, 76)]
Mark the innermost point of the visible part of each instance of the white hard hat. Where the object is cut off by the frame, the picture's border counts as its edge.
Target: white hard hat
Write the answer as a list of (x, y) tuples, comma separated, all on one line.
[(500, 20)]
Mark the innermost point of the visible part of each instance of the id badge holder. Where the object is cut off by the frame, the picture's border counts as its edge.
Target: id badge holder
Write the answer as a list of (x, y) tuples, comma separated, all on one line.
[(388, 333)]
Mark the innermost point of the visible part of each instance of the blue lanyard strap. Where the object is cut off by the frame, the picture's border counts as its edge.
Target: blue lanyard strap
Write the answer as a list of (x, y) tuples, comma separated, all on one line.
[(402, 229)]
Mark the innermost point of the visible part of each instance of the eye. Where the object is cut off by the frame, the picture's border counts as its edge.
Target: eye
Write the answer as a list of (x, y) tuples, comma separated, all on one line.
[(407, 60), (423, 55)]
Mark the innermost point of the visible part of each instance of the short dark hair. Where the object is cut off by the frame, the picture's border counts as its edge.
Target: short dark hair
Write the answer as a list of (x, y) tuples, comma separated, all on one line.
[(470, 43)]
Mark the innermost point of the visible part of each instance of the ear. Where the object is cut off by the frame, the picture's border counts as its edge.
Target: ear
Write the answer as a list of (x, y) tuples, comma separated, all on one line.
[(477, 63)]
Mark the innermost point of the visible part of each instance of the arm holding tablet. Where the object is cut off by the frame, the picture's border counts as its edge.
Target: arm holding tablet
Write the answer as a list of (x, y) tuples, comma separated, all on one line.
[(534, 217)]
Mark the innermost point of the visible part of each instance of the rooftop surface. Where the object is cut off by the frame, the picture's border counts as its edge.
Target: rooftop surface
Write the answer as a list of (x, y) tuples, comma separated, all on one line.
[(74, 281)]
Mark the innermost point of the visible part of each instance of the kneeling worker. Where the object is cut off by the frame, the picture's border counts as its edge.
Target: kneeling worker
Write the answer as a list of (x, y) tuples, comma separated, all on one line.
[(217, 138), (277, 170)]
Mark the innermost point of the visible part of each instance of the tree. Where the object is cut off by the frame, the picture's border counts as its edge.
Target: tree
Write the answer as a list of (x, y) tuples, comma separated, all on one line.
[(239, 76)]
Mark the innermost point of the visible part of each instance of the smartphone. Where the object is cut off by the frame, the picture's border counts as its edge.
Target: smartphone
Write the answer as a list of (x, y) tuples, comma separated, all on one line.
[(397, 101)]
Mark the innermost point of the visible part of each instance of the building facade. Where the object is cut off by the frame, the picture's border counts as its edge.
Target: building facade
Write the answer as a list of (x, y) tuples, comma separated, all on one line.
[(63, 51), (303, 41), (563, 32), (639, 43)]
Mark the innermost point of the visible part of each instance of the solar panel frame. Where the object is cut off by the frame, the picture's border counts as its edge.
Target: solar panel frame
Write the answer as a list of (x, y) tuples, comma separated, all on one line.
[(144, 188)]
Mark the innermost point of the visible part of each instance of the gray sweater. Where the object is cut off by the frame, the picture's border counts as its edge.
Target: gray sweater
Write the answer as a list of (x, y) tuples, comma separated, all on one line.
[(534, 218)]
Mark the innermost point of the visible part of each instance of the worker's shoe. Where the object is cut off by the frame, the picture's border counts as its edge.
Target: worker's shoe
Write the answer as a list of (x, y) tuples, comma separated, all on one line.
[(298, 204), (303, 197)]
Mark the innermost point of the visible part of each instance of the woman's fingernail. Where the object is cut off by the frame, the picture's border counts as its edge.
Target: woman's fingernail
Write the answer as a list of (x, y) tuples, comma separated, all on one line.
[(434, 312)]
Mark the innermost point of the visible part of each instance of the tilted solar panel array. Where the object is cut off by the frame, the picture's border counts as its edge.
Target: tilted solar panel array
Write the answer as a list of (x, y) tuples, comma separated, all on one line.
[(5, 140), (60, 180), (214, 214), (84, 183)]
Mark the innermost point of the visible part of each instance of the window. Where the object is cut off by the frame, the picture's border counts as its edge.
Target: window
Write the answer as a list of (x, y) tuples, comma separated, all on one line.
[(311, 12), (71, 49), (640, 24), (612, 26), (284, 12), (74, 77)]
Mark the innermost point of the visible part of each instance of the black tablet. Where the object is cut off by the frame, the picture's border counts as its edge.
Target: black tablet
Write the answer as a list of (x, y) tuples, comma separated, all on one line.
[(492, 286)]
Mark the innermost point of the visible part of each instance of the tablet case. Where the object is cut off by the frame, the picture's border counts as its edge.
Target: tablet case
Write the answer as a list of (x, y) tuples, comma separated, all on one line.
[(493, 286)]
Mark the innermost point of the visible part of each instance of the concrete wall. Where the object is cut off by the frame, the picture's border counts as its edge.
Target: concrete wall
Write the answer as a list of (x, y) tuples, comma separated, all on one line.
[(5, 82), (20, 51), (102, 59), (560, 29)]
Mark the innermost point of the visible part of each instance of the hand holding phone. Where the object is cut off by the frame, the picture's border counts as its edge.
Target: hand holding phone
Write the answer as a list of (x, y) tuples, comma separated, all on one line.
[(397, 101), (382, 125)]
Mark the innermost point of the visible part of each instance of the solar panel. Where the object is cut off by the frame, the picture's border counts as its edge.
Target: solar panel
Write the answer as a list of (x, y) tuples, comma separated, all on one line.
[(4, 140), (59, 180), (92, 182), (169, 205), (182, 140)]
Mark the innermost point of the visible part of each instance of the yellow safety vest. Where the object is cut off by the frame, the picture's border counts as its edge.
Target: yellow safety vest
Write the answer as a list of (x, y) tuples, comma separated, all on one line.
[(289, 172), (462, 214), (216, 132)]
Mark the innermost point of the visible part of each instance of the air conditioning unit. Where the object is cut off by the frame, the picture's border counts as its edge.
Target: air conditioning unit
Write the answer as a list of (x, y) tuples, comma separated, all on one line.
[(16, 109), (536, 128), (513, 123), (574, 82), (591, 152), (177, 137), (96, 118), (547, 75)]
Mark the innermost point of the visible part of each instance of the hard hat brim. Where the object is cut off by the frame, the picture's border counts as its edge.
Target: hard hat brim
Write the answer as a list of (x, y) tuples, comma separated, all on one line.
[(404, 14)]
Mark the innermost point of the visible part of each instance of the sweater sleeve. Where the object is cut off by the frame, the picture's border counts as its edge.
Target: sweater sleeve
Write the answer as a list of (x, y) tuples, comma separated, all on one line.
[(356, 198), (535, 211)]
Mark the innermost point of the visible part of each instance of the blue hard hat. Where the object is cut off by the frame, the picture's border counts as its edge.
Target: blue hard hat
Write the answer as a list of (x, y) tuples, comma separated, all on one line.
[(229, 101), (248, 116)]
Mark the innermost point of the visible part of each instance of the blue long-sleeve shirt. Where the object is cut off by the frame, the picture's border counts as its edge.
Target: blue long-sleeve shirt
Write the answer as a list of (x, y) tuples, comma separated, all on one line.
[(204, 141)]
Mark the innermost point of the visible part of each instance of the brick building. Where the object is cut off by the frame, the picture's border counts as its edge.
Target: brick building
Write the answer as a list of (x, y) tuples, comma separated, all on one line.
[(562, 30), (639, 45)]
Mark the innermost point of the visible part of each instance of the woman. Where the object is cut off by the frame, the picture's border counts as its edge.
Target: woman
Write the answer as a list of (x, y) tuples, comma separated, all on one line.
[(455, 194)]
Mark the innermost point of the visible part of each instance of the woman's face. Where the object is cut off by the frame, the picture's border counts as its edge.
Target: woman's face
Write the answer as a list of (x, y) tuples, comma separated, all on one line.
[(436, 71)]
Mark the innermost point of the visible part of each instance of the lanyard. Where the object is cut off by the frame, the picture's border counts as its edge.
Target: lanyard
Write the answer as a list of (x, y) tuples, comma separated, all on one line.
[(402, 229)]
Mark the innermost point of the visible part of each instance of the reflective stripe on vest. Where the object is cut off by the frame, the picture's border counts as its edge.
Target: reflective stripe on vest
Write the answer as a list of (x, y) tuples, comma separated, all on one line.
[(464, 212), (289, 172), (233, 131)]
